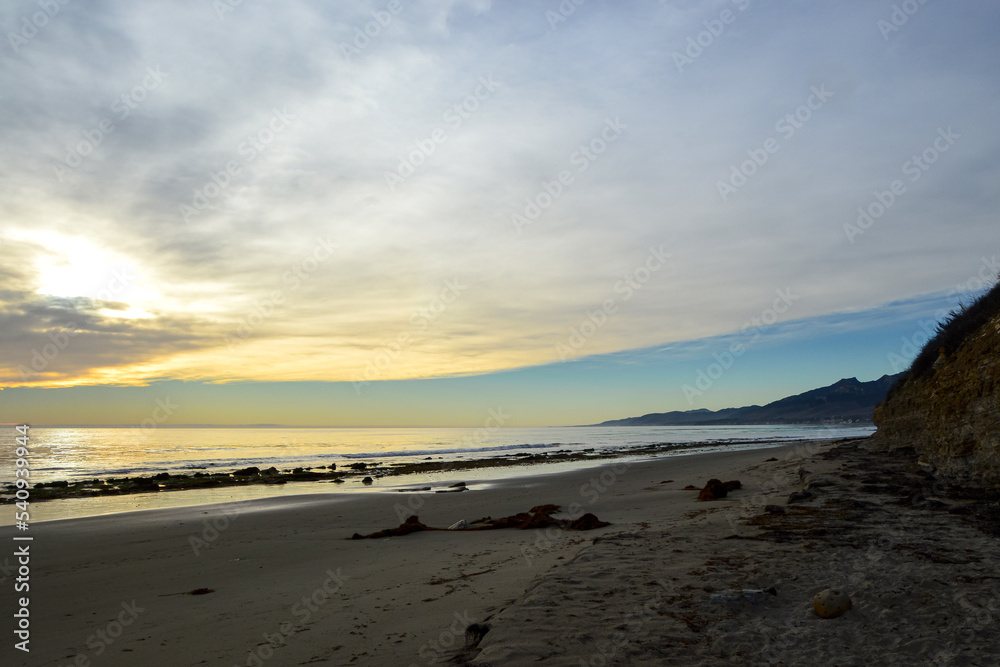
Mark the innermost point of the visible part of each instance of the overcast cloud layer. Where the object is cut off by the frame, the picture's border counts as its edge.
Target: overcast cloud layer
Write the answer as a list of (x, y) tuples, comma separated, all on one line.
[(264, 192)]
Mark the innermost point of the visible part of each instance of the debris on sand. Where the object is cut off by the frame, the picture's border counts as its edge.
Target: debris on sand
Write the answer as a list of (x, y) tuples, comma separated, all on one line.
[(537, 517)]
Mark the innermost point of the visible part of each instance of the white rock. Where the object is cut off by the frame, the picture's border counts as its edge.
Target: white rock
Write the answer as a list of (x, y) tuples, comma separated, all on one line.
[(458, 525)]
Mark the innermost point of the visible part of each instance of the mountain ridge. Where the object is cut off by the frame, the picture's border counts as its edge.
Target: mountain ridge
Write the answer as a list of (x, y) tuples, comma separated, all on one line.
[(847, 401)]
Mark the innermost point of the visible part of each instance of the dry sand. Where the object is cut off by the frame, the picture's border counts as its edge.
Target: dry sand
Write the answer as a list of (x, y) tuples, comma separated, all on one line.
[(288, 588)]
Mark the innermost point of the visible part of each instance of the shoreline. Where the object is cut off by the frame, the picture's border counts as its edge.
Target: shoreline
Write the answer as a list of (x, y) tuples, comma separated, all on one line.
[(114, 495)]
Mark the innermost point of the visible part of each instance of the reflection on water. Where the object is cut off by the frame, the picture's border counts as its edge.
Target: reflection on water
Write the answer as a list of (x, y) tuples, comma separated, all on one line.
[(71, 508), (88, 453)]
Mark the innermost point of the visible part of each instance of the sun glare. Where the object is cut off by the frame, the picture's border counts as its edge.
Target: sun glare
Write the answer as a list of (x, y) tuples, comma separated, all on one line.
[(75, 267)]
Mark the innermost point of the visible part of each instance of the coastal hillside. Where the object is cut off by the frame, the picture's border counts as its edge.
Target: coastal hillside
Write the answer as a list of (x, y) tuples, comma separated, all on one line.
[(947, 406), (848, 401)]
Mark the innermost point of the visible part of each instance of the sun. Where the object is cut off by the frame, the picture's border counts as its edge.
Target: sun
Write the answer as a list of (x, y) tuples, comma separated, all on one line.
[(75, 267)]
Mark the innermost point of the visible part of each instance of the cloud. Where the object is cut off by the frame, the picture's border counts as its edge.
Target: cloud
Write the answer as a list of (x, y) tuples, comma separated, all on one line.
[(279, 140)]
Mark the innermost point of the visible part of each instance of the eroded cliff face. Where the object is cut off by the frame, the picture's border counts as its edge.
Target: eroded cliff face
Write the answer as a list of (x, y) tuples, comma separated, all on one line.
[(951, 414)]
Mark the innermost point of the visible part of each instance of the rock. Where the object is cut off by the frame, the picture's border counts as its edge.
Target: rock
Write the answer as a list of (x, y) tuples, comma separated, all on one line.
[(247, 472), (713, 490), (358, 466), (367, 480), (162, 475), (270, 471), (691, 487), (667, 481), (333, 466), (831, 603), (338, 481), (587, 522), (734, 485), (774, 509), (458, 525), (799, 496), (457, 489), (770, 460), (457, 486), (474, 633)]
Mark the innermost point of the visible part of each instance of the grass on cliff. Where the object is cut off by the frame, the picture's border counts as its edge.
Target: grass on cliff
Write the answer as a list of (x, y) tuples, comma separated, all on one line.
[(953, 331)]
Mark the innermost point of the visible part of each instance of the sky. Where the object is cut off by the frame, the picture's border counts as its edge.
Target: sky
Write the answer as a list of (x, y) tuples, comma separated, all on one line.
[(413, 213)]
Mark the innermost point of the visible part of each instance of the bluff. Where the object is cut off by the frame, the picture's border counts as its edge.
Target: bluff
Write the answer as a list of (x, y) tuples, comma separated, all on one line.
[(947, 405)]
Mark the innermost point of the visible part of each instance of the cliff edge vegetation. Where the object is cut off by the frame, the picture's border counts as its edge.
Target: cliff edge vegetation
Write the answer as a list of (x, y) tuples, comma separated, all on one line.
[(947, 405)]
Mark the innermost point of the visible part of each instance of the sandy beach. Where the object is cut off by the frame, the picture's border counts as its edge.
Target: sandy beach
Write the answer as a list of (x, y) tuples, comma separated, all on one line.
[(278, 581)]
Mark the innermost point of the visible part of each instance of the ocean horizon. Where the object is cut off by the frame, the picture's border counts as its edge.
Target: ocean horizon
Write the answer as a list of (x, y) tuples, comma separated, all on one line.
[(84, 453)]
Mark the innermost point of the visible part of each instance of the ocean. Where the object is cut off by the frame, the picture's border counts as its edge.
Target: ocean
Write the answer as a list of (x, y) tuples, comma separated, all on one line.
[(95, 453), (75, 454)]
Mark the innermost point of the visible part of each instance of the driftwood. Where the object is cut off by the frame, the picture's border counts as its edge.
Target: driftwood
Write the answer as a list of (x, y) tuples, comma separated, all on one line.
[(536, 517)]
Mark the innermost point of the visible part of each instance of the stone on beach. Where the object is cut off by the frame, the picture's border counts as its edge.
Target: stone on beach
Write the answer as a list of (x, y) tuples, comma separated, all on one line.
[(831, 603), (715, 490), (587, 522)]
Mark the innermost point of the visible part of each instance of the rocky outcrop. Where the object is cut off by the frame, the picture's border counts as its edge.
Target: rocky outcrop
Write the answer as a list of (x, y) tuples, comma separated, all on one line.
[(947, 407)]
